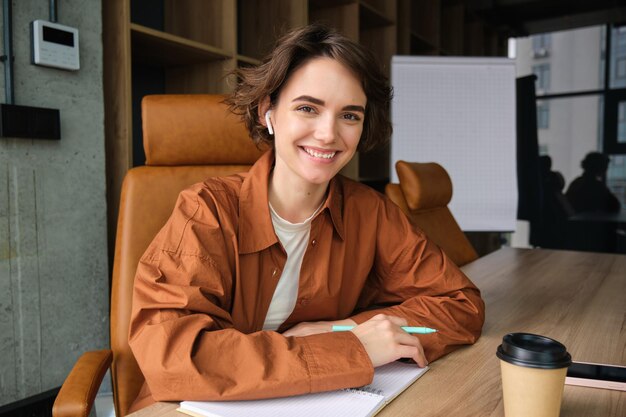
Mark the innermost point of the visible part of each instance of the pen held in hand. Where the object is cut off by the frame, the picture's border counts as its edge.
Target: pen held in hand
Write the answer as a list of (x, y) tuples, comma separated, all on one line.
[(408, 329)]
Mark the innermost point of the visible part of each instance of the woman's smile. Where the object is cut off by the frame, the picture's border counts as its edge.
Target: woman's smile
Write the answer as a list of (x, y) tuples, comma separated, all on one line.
[(317, 153)]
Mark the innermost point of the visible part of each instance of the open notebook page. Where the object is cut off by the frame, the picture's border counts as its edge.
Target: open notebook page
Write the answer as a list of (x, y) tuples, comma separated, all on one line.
[(389, 381), (327, 404)]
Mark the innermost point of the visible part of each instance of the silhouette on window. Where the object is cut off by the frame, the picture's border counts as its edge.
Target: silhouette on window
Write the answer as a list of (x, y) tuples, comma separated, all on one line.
[(555, 209), (589, 193)]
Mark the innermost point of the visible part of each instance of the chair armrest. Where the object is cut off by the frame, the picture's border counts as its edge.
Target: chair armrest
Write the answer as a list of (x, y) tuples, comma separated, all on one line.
[(77, 394)]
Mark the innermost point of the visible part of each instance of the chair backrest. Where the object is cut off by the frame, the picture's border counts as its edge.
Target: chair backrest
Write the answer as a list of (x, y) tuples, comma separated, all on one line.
[(187, 138), (423, 194)]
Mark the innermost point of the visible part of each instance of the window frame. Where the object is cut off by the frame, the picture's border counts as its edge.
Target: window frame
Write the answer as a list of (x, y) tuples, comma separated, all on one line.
[(611, 144), (611, 99), (543, 73)]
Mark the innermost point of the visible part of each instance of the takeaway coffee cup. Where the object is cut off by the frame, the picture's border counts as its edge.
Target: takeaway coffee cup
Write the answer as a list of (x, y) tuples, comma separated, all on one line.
[(533, 374)]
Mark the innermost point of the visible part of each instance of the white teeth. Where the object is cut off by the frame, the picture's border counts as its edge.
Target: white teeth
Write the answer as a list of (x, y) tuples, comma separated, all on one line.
[(319, 154)]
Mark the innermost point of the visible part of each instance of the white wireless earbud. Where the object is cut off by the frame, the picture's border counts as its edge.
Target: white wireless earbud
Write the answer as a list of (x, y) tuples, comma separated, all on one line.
[(268, 122)]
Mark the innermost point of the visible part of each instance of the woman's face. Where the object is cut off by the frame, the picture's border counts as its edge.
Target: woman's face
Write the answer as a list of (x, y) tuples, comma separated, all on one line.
[(318, 121)]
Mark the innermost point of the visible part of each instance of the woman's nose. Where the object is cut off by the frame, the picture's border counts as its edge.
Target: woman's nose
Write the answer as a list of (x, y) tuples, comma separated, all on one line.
[(326, 130)]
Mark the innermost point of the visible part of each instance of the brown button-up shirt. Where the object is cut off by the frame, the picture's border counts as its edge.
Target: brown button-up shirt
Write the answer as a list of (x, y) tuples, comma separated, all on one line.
[(205, 283)]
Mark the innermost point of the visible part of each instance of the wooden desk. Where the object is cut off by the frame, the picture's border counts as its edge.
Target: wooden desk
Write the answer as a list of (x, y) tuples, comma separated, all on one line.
[(578, 298)]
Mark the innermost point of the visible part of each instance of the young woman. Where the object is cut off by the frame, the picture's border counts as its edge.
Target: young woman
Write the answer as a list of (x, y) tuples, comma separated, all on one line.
[(236, 296)]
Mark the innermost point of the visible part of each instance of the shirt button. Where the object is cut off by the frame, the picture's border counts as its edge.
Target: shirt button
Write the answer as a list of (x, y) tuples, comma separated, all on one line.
[(314, 242), (304, 301), (274, 272)]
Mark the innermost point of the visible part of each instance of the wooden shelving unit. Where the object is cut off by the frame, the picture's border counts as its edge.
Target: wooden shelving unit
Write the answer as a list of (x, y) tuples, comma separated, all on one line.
[(342, 15), (261, 22), (154, 47), (378, 27), (371, 17), (452, 24), (189, 46), (419, 27)]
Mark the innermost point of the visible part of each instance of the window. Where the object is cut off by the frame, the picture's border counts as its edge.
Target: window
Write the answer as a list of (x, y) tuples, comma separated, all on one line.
[(620, 68), (542, 71), (616, 177), (618, 57), (620, 35), (541, 45), (581, 98), (543, 115)]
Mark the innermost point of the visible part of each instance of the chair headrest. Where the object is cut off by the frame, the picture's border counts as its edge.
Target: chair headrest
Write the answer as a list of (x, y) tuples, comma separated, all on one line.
[(424, 185), (194, 129)]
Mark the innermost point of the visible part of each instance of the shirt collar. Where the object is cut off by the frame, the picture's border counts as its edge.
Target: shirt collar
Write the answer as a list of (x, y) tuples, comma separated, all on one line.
[(256, 231), (334, 204)]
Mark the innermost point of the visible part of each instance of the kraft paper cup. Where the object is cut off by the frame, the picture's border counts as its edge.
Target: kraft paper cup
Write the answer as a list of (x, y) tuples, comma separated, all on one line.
[(533, 374)]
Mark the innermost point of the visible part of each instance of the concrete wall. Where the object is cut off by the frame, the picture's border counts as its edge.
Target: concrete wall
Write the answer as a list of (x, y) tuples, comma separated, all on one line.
[(53, 252)]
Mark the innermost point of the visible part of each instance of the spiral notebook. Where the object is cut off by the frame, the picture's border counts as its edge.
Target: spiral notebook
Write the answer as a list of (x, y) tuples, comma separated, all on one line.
[(389, 381)]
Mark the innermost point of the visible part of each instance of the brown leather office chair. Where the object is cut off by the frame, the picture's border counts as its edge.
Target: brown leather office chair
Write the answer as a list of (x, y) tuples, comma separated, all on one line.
[(423, 194), (187, 138)]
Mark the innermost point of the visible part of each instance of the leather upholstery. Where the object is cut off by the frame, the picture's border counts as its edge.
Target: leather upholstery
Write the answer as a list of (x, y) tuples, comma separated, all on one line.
[(423, 194), (425, 185), (79, 390), (394, 192), (187, 139), (183, 136)]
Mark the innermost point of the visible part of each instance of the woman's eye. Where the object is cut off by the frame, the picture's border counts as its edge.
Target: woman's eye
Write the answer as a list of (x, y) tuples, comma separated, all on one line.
[(351, 116), (306, 109)]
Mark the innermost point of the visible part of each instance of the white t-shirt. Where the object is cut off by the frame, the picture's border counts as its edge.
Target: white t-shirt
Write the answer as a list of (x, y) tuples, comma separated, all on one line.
[(295, 239)]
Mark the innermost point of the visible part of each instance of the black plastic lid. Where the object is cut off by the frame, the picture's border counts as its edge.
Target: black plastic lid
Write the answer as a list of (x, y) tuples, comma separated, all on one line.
[(533, 351)]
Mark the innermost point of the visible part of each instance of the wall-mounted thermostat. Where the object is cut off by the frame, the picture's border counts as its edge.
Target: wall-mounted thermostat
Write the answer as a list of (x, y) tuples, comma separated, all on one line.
[(54, 45)]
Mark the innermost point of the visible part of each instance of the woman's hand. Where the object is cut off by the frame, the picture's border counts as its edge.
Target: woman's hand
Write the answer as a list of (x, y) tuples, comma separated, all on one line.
[(382, 336), (316, 327), (385, 341)]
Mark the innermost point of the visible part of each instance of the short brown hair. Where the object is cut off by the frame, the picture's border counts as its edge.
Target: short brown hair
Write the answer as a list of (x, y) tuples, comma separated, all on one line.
[(292, 51)]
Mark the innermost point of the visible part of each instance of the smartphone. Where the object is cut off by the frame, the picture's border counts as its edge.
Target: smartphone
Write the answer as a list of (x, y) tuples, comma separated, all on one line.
[(597, 375)]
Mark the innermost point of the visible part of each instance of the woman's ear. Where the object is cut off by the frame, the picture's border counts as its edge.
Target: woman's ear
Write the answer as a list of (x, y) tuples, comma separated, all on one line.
[(264, 107)]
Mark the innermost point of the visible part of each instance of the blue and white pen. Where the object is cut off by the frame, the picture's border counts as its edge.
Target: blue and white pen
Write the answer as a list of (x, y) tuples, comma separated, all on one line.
[(408, 329)]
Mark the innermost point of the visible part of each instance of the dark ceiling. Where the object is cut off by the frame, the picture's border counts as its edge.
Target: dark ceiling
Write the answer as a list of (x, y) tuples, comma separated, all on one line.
[(524, 17)]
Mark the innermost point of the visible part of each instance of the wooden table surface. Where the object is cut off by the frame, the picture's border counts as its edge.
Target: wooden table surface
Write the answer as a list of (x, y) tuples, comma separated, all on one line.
[(577, 298)]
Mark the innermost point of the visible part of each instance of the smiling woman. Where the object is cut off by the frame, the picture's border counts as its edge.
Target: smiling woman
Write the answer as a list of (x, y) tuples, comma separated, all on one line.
[(237, 295), (318, 121)]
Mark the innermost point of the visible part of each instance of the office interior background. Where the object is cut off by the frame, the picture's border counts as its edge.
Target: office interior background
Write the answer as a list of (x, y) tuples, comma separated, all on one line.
[(579, 73), (570, 87), (58, 199)]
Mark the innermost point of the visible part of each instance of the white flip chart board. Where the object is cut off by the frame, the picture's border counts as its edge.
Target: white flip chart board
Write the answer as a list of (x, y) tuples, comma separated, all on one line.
[(460, 113)]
